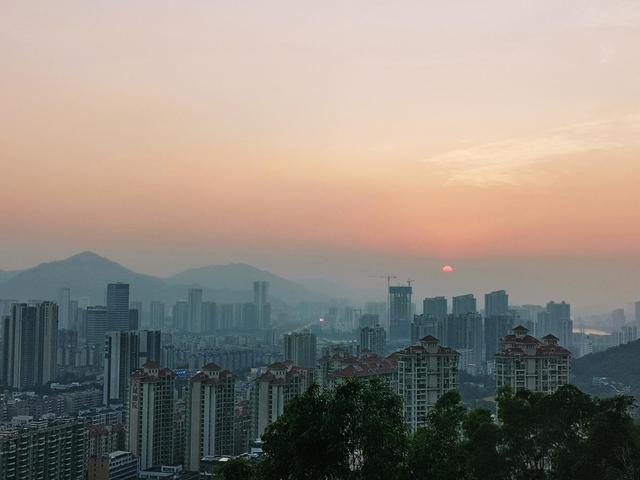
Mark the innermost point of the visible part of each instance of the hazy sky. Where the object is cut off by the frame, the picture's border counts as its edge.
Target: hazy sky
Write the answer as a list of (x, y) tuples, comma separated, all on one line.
[(172, 133)]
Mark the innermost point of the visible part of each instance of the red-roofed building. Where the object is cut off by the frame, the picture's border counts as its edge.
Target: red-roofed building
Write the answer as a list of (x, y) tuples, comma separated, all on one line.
[(274, 389), (426, 371), (526, 363), (210, 415), (151, 415), (366, 366)]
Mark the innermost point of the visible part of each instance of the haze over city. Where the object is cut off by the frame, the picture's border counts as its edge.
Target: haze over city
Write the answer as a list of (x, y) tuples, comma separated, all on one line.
[(334, 142), (335, 240)]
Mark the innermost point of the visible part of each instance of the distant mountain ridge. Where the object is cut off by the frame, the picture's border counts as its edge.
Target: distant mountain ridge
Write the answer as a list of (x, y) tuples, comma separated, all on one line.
[(619, 363), (88, 273)]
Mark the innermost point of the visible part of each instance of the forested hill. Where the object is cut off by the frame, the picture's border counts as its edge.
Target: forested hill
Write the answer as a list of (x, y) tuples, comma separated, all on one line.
[(621, 364)]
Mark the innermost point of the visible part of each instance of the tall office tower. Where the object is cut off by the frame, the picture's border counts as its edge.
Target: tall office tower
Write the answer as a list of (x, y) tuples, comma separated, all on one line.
[(142, 322), (470, 337), (195, 310), (263, 308), (637, 311), (436, 307), (425, 372), (134, 319), (30, 336), (426, 324), (118, 307), (526, 363), (369, 320), (64, 308), (496, 303), (373, 339), (274, 389), (156, 315), (125, 352), (53, 449), (495, 327), (152, 414), (556, 320), (209, 316), (400, 312), (180, 316), (463, 304), (210, 415), (97, 324), (74, 316), (300, 348)]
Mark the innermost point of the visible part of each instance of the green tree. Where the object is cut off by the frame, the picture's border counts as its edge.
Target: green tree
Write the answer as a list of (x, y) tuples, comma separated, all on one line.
[(436, 451), (480, 446), (355, 431), (239, 469)]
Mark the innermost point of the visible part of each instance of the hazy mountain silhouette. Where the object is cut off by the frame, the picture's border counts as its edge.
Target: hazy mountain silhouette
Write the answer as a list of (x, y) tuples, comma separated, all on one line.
[(87, 275), (240, 277), (618, 363)]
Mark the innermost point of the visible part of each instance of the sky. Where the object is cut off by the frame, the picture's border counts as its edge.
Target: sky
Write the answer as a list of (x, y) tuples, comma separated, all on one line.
[(327, 139)]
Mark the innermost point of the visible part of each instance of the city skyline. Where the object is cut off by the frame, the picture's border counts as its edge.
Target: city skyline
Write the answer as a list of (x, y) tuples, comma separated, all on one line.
[(297, 135)]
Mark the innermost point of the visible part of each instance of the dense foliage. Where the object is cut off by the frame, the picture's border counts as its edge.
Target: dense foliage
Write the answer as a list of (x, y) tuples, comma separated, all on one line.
[(357, 432)]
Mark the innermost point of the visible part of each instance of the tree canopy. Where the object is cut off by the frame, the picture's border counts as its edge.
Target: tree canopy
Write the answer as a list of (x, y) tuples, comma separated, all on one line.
[(356, 431)]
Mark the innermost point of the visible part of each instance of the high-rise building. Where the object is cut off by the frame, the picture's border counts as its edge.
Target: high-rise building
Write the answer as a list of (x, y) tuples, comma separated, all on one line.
[(30, 345), (64, 308), (496, 304), (55, 449), (463, 304), (263, 307), (556, 320), (97, 324), (526, 363), (400, 312), (180, 316), (210, 316), (465, 332), (425, 372), (274, 389), (195, 310), (369, 320), (637, 312), (495, 327), (156, 315), (151, 415), (210, 415), (436, 307), (300, 348), (140, 321), (426, 324), (373, 339), (125, 352), (118, 307)]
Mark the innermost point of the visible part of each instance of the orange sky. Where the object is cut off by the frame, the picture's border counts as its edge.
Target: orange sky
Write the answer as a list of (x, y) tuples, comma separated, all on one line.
[(483, 129)]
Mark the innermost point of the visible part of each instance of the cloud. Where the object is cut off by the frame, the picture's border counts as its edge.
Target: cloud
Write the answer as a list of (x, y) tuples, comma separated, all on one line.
[(514, 162)]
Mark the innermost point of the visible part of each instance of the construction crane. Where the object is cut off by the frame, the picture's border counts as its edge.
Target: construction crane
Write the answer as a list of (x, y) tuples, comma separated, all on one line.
[(386, 277)]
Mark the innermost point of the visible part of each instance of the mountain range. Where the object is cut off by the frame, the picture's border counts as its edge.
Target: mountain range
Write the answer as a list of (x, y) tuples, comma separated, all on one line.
[(88, 273)]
